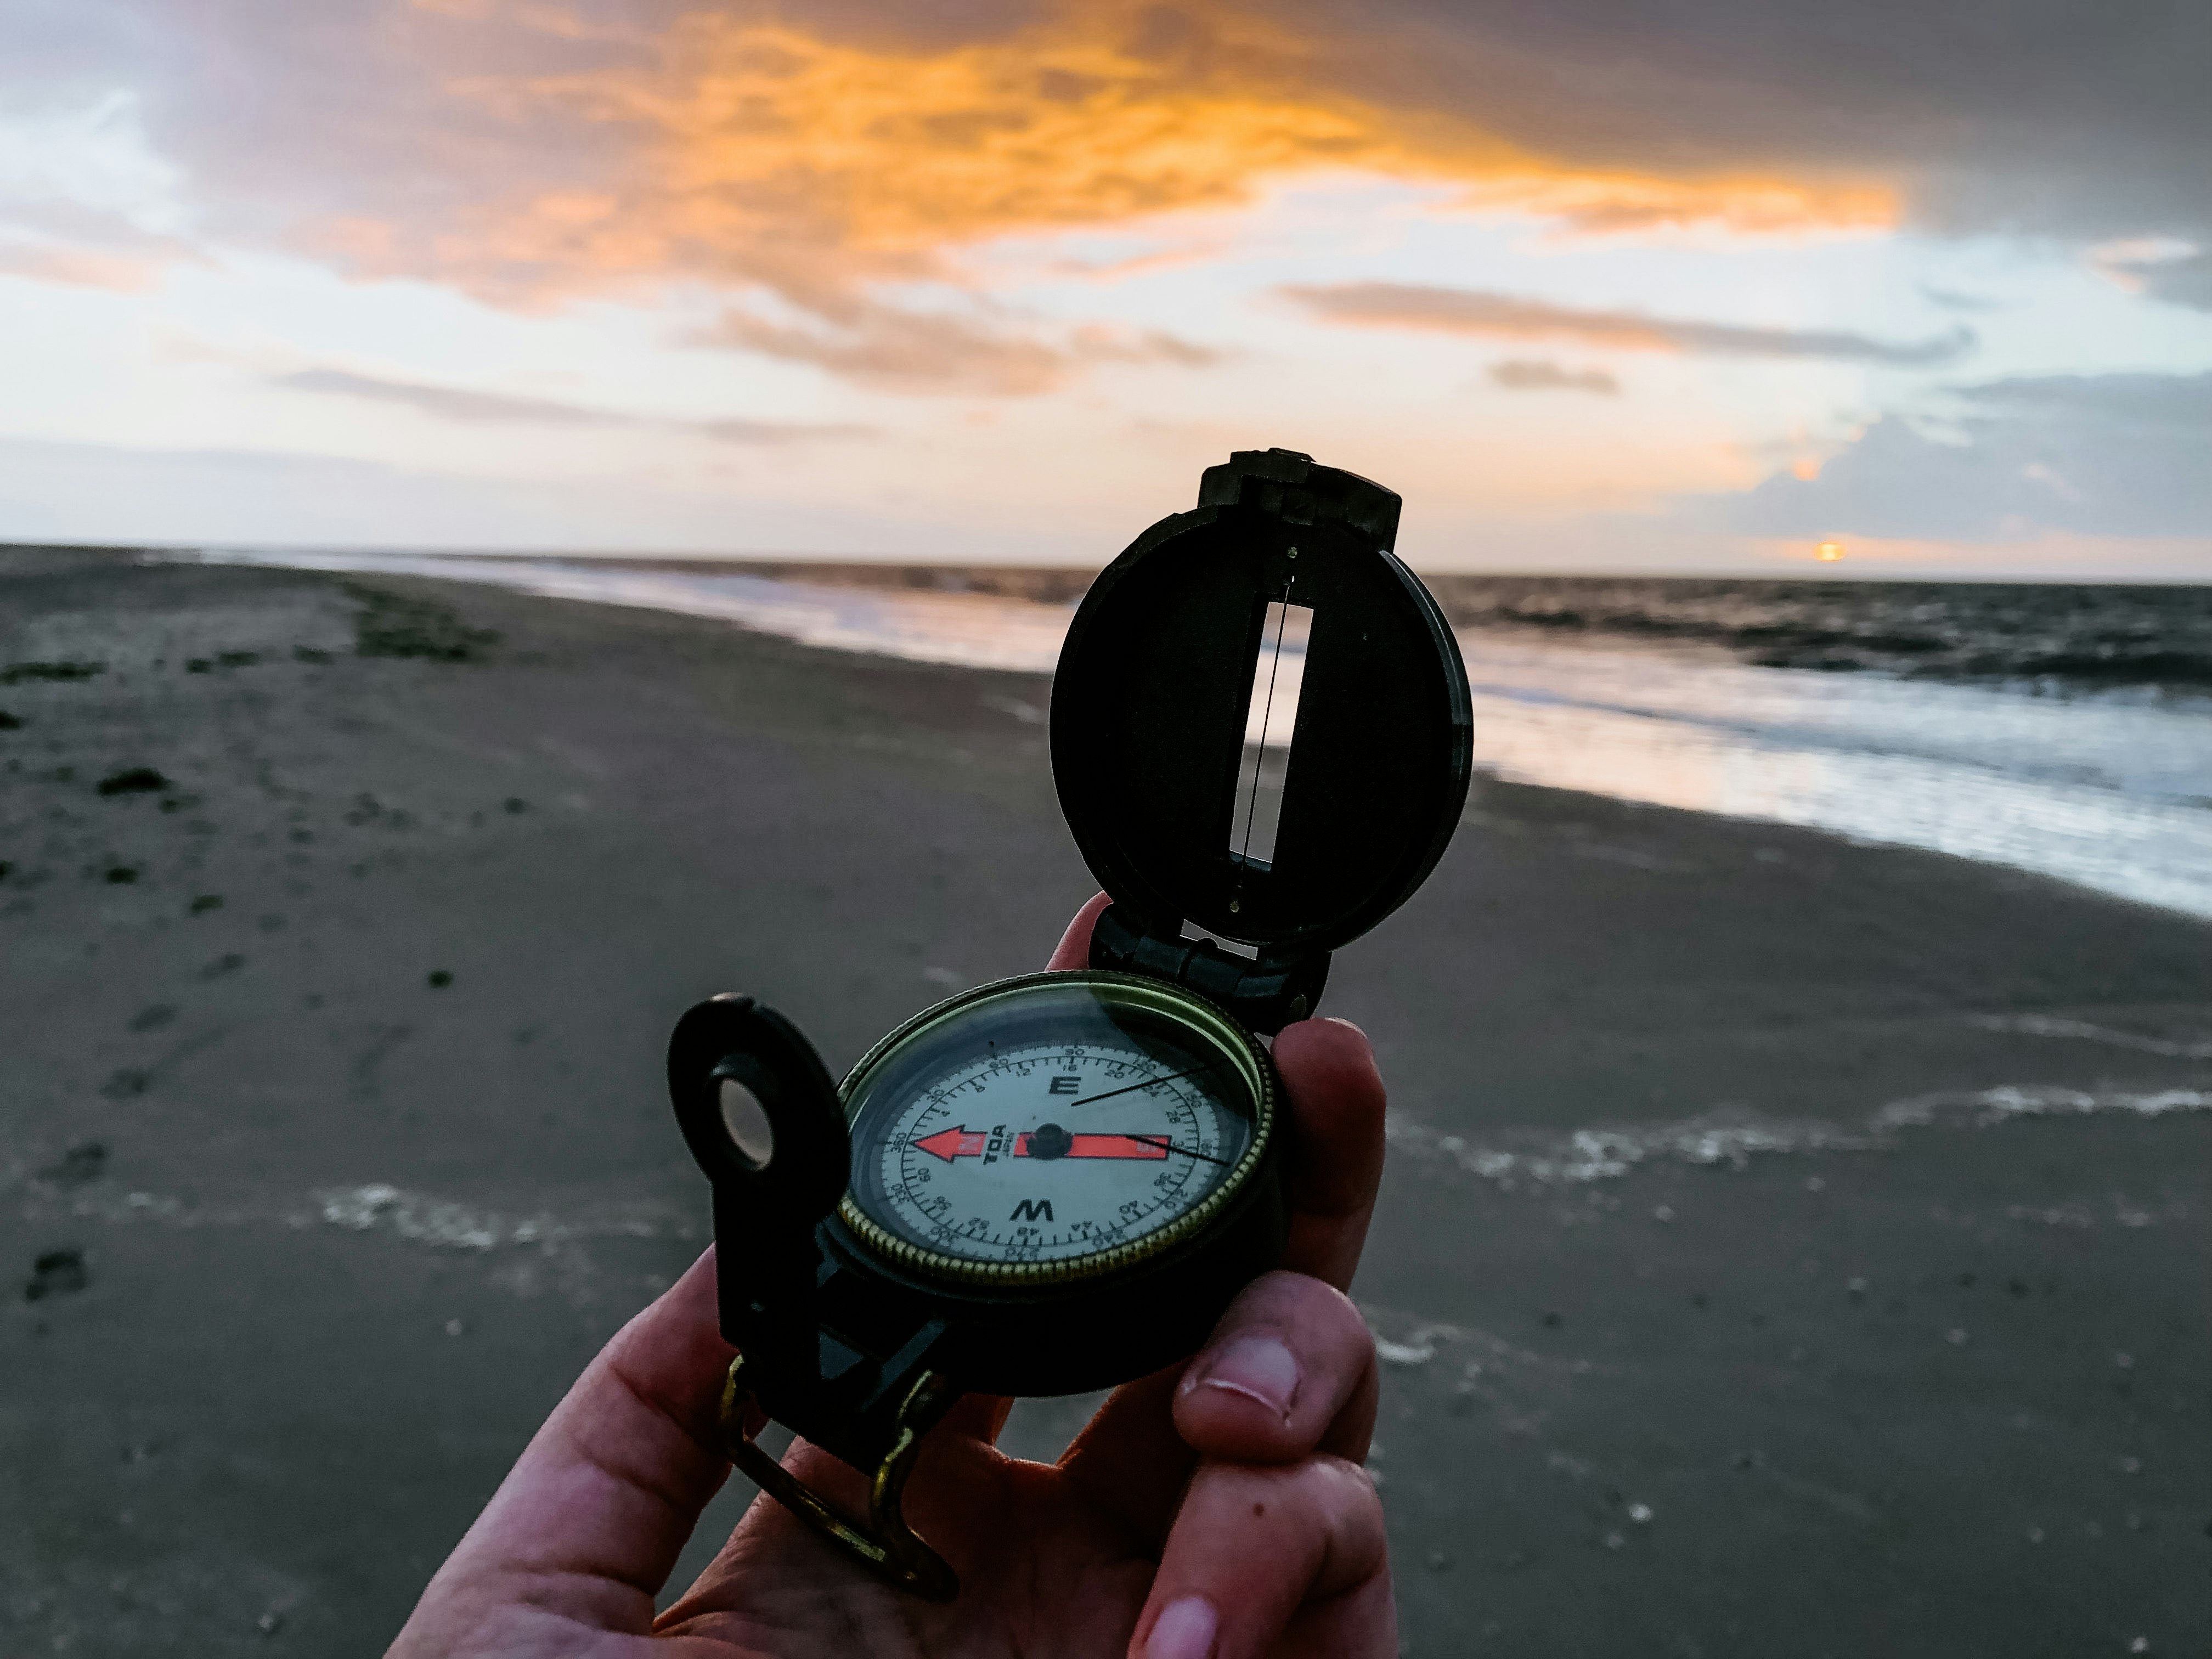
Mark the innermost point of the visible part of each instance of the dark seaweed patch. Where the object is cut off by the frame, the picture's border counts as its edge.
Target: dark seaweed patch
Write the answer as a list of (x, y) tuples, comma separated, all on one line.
[(56, 1273), (17, 673), (9, 722), (135, 780), (222, 660), (78, 1166), (388, 625), (120, 875)]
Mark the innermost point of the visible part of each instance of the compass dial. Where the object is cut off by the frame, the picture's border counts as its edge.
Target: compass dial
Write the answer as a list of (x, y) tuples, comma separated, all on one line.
[(1052, 1128)]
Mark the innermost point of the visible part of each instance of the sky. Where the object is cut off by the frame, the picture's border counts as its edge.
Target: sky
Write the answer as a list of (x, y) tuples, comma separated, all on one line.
[(1605, 286)]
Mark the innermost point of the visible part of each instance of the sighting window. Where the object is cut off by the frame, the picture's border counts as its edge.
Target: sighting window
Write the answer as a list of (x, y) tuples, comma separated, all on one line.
[(1271, 717)]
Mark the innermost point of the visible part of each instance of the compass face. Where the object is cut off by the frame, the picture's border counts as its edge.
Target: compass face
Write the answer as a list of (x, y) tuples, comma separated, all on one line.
[(1051, 1128)]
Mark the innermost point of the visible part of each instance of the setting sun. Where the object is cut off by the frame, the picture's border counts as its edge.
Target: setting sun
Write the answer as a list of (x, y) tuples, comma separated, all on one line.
[(1828, 552)]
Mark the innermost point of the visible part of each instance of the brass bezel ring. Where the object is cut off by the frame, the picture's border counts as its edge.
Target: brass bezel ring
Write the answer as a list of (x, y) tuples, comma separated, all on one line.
[(1207, 1016)]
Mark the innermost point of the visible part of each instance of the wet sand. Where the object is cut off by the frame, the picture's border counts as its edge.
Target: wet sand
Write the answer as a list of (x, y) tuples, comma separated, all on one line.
[(335, 1140)]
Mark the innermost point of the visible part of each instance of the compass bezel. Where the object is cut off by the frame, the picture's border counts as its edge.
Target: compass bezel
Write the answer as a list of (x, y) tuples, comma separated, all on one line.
[(1253, 1069)]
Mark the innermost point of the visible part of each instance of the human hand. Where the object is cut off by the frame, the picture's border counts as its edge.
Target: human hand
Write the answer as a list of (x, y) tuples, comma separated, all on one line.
[(1216, 1510)]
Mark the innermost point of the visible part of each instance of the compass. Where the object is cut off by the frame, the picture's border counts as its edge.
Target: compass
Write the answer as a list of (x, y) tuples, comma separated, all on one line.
[(1058, 1183), (1103, 1121)]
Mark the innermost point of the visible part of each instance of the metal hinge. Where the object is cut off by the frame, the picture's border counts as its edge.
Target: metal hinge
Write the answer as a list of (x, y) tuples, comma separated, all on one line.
[(1265, 993)]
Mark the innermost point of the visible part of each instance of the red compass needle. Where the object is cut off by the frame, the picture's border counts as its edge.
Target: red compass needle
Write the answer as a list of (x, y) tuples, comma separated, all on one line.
[(963, 1142)]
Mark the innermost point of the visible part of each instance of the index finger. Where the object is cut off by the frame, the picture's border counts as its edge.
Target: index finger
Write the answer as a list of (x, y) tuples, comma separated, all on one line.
[(1073, 950), (1336, 1145)]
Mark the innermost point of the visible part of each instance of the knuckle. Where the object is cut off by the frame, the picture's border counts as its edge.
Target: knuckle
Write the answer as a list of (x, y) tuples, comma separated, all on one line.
[(1318, 1484), (1310, 1303), (1339, 1476)]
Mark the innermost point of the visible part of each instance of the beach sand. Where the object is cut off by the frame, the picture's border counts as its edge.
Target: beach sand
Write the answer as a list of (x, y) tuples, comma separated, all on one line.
[(1788, 1246)]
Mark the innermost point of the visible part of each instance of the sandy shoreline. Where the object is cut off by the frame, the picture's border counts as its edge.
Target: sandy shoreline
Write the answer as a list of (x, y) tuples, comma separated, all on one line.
[(1875, 1383)]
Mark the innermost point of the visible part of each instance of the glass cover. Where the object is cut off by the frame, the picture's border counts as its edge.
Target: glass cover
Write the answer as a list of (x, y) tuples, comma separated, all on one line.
[(1049, 1120)]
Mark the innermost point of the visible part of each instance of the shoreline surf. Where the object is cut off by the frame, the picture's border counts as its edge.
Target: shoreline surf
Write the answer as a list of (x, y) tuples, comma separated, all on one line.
[(1726, 697)]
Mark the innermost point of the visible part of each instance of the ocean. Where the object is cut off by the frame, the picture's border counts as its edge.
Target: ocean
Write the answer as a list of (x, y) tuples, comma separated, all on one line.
[(2063, 729)]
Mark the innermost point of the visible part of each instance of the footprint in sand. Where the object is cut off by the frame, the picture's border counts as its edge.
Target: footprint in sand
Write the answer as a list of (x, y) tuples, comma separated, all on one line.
[(57, 1272)]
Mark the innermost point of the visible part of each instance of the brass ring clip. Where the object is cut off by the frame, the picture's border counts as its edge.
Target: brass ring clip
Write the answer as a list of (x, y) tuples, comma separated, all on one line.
[(887, 1546)]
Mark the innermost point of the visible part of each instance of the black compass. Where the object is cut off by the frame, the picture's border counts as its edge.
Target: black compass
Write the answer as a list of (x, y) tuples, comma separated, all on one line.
[(1058, 1183)]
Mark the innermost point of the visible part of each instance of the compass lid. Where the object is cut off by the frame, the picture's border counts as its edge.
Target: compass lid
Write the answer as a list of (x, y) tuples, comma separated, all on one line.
[(1260, 722)]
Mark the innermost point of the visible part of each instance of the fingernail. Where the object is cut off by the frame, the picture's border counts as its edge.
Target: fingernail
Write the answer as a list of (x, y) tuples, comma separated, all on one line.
[(1184, 1630), (1258, 1367)]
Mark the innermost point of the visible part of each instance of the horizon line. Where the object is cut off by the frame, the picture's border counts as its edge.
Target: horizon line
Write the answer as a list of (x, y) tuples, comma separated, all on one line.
[(1864, 573)]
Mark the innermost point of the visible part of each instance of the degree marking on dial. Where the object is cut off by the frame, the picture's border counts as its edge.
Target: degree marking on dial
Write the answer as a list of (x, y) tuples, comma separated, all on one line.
[(1167, 1146), (1092, 1100)]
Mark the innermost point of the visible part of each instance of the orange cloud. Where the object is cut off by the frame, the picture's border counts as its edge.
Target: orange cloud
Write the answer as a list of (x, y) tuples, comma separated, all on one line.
[(1463, 310), (897, 350), (761, 154), (1603, 204)]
